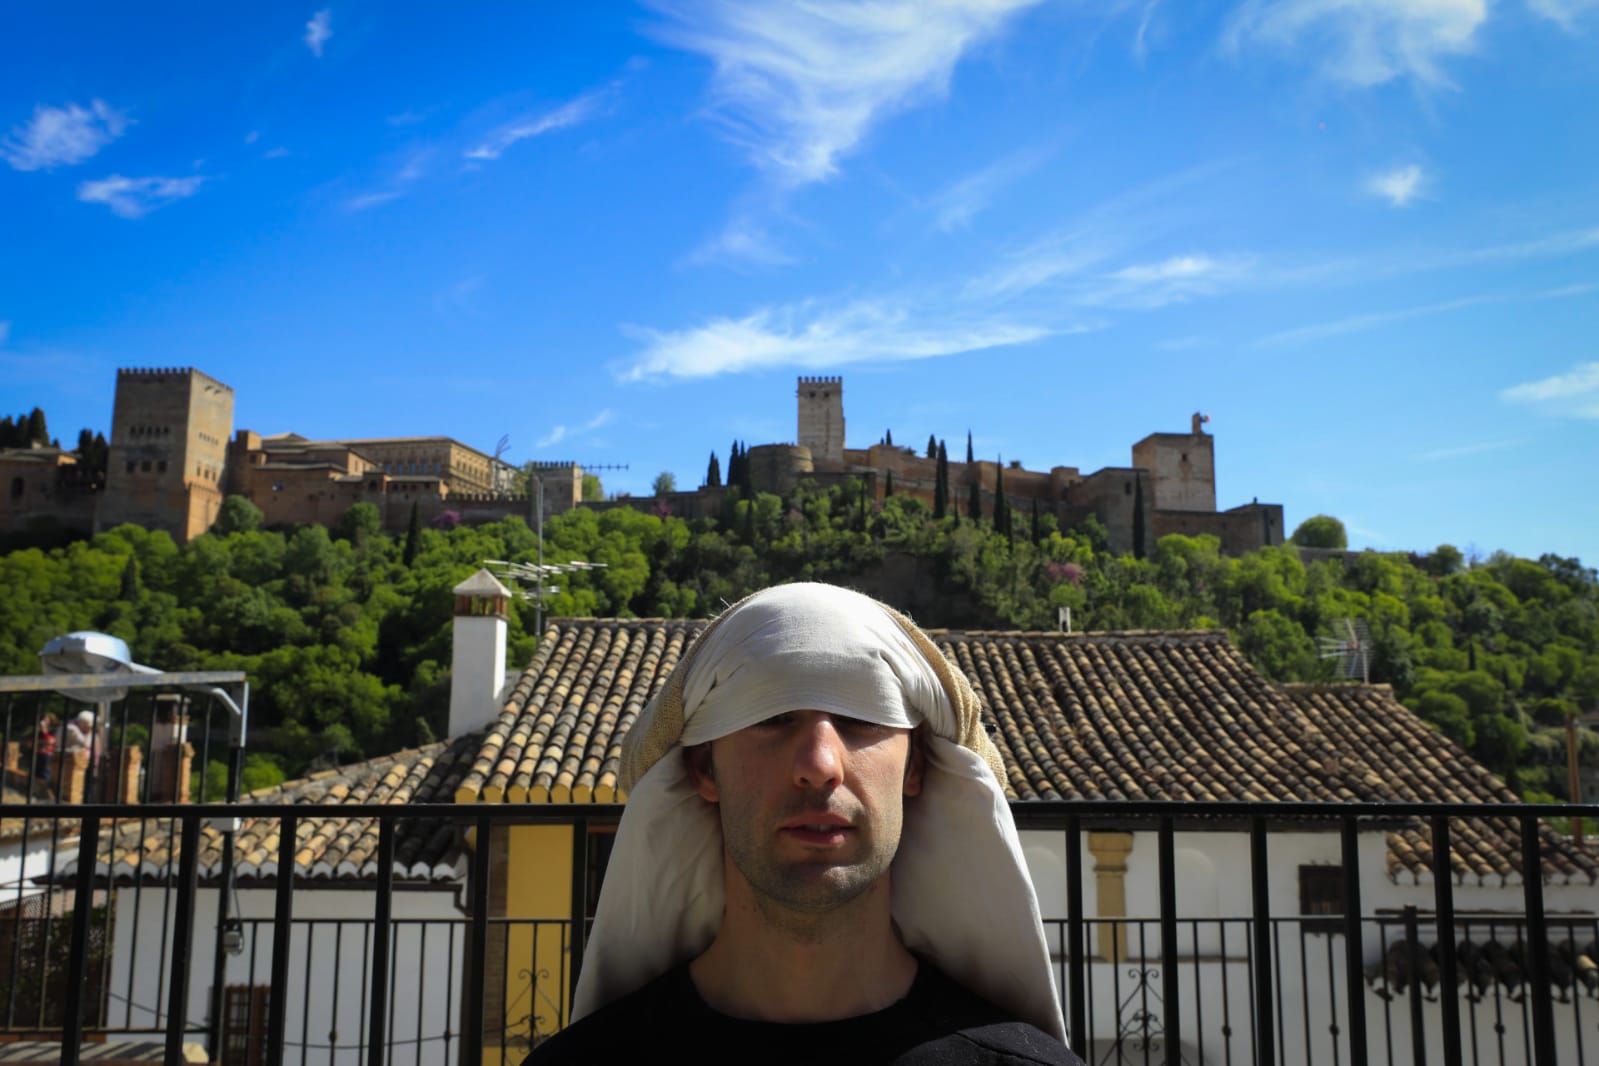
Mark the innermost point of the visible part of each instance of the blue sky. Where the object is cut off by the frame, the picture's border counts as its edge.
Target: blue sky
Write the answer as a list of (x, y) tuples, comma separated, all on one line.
[(1363, 236)]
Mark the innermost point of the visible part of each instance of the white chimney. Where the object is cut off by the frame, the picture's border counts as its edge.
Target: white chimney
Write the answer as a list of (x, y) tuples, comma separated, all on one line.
[(477, 670)]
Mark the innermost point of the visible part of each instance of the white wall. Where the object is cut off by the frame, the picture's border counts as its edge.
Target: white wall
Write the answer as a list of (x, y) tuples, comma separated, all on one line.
[(325, 983), (1214, 887)]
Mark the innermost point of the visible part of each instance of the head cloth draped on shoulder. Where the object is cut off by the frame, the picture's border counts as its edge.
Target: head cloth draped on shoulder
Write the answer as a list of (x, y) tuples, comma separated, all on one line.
[(961, 894)]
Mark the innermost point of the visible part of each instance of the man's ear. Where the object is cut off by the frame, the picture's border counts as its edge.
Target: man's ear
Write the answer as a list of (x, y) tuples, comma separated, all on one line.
[(697, 760), (916, 762)]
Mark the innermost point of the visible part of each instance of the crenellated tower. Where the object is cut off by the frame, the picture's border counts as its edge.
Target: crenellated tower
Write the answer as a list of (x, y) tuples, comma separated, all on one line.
[(821, 419), (169, 451)]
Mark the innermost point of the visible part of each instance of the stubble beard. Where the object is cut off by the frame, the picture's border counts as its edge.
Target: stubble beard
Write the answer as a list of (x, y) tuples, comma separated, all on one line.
[(786, 891)]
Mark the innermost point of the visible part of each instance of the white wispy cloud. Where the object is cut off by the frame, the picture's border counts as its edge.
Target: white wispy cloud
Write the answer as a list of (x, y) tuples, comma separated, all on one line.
[(1398, 186), (1565, 13), (318, 30), (5, 331), (559, 433), (1573, 393), (744, 239), (137, 197), (1171, 280), (809, 337), (1363, 42), (956, 206), (1462, 451), (1371, 320), (367, 200), (62, 136), (571, 113), (799, 85)]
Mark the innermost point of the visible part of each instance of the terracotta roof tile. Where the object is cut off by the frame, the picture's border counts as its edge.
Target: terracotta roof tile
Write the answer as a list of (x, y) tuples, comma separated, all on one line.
[(1137, 715), (327, 846)]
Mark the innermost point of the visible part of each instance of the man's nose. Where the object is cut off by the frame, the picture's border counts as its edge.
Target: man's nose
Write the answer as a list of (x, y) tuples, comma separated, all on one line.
[(819, 755)]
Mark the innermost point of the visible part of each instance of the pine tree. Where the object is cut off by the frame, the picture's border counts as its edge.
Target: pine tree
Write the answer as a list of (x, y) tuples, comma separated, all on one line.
[(932, 447), (413, 537), (941, 485), (713, 473)]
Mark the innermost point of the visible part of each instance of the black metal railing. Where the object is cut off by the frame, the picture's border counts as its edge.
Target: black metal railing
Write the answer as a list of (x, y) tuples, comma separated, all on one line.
[(389, 966)]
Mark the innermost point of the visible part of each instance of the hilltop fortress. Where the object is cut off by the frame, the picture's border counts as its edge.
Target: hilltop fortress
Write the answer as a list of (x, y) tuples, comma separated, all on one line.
[(174, 456)]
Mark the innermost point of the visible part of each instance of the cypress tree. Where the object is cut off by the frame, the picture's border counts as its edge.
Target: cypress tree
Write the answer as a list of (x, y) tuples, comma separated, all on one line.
[(932, 447), (888, 437), (941, 485), (713, 473), (1001, 505), (1138, 515), (968, 447), (130, 580), (974, 493), (748, 534), (888, 490), (36, 426), (746, 480), (413, 537)]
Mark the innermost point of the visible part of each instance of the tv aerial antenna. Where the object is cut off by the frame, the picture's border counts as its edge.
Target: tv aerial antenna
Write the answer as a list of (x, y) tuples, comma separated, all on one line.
[(533, 581), (1351, 647)]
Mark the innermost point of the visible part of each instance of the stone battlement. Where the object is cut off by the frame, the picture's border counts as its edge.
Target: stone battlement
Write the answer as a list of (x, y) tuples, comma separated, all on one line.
[(821, 381)]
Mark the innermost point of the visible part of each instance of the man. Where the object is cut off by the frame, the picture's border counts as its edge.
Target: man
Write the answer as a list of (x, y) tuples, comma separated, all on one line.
[(816, 861)]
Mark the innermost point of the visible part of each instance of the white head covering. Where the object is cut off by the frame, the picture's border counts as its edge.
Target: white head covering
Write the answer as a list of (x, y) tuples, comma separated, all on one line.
[(961, 894)]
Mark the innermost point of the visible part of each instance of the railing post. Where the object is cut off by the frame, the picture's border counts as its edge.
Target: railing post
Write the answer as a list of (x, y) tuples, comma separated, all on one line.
[(580, 881), (472, 1024), (1418, 1033), (182, 938), (1443, 889), (78, 953), (1169, 992), (219, 956), (1354, 943), (1075, 938), (377, 1020), (282, 933), (1265, 1038), (1541, 993)]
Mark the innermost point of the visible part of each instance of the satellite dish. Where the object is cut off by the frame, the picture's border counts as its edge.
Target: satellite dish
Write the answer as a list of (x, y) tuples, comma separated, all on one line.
[(1352, 648), (90, 653)]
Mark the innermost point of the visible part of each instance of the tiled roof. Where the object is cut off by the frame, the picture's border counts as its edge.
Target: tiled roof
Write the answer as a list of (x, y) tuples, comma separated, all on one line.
[(1146, 715), (559, 735), (329, 847)]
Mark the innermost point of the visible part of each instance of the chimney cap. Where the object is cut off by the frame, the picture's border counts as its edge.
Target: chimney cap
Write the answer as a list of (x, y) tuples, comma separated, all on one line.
[(482, 584)]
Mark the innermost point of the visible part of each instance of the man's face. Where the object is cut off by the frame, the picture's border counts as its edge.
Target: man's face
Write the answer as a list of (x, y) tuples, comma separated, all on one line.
[(811, 803)]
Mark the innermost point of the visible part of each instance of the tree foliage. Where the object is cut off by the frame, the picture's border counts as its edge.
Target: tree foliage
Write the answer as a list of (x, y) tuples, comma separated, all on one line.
[(346, 633), (1321, 531)]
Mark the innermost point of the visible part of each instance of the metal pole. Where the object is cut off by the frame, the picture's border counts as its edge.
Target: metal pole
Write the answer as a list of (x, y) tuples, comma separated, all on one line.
[(472, 1022), (1573, 778), (183, 939), (1074, 935), (1354, 946), (77, 959), (1539, 995), (1170, 993), (1260, 898)]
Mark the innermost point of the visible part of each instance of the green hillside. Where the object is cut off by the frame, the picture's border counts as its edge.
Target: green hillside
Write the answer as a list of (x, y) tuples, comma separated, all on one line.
[(345, 632)]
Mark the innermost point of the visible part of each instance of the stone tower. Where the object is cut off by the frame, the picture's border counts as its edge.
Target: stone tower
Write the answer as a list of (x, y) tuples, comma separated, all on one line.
[(169, 446), (1182, 467), (821, 419)]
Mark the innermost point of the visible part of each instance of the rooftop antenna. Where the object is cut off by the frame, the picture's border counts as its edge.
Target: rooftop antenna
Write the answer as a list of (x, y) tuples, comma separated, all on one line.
[(531, 581), (1351, 647)]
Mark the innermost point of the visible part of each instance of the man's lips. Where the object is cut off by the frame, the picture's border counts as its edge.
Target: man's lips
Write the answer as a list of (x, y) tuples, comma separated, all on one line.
[(818, 828)]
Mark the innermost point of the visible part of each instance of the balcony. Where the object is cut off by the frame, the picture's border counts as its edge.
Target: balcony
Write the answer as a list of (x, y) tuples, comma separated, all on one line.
[(137, 932)]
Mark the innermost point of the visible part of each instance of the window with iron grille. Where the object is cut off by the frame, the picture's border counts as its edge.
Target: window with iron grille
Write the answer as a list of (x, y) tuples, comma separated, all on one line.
[(244, 1024), (1321, 898)]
